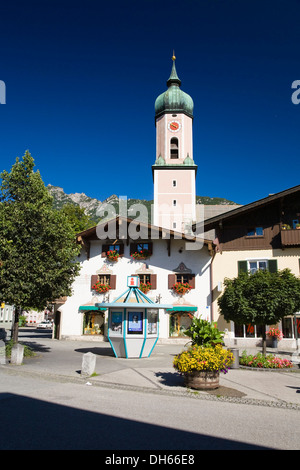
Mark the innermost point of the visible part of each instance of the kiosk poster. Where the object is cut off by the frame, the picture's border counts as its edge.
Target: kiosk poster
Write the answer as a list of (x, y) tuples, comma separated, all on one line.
[(135, 322), (116, 323)]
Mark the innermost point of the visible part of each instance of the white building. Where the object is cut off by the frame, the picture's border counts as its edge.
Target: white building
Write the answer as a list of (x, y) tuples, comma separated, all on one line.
[(170, 258)]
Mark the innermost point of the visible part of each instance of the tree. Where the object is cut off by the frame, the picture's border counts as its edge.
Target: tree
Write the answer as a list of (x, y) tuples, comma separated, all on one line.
[(37, 244), (262, 298), (77, 217)]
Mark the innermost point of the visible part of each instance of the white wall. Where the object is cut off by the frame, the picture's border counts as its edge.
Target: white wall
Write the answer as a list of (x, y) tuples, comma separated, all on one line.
[(159, 263)]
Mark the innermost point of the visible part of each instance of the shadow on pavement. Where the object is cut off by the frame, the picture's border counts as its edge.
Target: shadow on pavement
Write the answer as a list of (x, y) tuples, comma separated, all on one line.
[(49, 426)]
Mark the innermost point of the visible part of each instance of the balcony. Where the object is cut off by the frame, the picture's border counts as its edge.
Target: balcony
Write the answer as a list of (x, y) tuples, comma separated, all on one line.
[(290, 237)]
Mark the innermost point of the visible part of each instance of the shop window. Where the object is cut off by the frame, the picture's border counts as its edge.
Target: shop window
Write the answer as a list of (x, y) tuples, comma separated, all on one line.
[(179, 323), (248, 331), (152, 321), (135, 323), (289, 328), (93, 324)]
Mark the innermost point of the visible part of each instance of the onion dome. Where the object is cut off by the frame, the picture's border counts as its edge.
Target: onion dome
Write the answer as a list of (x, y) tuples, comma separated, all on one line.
[(174, 100)]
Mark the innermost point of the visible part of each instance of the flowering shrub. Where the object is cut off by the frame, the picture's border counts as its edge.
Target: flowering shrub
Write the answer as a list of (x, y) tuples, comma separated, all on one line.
[(275, 333), (145, 287), (264, 362), (181, 287), (112, 255), (143, 254), (200, 358), (101, 288)]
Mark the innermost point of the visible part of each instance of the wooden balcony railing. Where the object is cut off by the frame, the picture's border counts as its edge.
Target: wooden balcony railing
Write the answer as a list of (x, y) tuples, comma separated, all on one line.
[(290, 237)]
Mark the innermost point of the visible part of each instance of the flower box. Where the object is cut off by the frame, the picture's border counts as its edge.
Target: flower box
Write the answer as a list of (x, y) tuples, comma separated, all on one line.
[(145, 287), (101, 288), (112, 255), (143, 254), (181, 288)]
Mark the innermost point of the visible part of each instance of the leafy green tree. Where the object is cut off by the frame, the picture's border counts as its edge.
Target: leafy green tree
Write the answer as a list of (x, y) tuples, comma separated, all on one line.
[(262, 298), (37, 245), (77, 217)]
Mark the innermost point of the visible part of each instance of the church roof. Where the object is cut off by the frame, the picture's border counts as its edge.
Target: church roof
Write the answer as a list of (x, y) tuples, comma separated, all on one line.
[(174, 100)]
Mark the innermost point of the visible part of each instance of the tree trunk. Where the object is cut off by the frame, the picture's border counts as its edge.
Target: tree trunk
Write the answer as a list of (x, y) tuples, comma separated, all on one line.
[(15, 326)]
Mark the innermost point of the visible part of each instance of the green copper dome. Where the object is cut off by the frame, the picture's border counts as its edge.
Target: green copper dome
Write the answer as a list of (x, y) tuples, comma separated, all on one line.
[(174, 100)]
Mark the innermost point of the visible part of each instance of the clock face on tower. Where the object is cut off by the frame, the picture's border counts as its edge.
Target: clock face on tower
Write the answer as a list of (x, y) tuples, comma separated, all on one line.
[(174, 126)]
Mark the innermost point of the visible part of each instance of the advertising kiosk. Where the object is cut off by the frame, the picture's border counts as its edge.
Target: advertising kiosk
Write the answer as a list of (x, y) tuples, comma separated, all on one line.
[(133, 322)]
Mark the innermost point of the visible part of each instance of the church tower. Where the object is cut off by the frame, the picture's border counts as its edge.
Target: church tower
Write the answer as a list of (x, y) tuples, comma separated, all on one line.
[(174, 171)]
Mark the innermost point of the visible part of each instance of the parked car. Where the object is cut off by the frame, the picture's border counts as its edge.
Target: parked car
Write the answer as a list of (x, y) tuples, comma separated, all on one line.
[(45, 324)]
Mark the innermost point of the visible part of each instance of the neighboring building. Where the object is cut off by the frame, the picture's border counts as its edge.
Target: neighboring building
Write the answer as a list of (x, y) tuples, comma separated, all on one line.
[(169, 259), (260, 235), (6, 316)]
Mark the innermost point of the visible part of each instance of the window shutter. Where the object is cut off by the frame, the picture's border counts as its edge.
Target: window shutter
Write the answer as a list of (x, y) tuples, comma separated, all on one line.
[(150, 248), (94, 279), (113, 281), (242, 267), (192, 280), (171, 280), (121, 252), (153, 281), (272, 265)]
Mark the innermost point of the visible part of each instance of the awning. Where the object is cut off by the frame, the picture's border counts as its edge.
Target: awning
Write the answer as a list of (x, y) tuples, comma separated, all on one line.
[(183, 308), (91, 307)]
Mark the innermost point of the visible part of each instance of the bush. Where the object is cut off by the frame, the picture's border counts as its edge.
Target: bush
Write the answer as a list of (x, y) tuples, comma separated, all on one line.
[(28, 352), (204, 333), (264, 362)]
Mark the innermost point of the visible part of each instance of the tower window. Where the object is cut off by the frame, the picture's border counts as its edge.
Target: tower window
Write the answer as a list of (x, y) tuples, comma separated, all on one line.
[(174, 183), (174, 148), (174, 202)]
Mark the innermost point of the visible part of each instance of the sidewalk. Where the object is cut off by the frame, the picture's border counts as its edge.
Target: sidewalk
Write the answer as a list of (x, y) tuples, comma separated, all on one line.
[(62, 361)]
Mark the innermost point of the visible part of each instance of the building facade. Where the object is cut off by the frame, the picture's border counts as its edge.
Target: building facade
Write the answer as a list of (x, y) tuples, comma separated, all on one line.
[(161, 259), (262, 235)]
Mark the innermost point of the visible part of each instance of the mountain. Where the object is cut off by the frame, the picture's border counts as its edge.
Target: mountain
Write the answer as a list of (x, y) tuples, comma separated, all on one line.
[(94, 208)]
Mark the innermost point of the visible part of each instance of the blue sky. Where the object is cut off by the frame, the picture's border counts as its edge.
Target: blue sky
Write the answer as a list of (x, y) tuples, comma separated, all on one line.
[(82, 78)]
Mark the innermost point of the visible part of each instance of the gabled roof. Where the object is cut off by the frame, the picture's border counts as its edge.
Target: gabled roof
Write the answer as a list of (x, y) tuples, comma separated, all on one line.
[(227, 216), (153, 232)]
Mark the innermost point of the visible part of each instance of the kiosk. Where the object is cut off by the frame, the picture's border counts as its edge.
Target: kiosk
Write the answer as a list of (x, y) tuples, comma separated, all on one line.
[(133, 322)]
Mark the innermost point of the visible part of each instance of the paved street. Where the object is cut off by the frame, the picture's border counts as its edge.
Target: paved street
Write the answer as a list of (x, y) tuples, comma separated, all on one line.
[(139, 404)]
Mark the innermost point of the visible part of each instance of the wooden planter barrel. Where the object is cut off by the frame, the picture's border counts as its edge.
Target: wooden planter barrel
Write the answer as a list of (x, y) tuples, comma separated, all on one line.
[(202, 380)]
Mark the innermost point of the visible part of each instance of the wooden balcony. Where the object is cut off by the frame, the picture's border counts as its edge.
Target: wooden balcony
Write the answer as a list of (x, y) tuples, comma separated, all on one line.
[(290, 238)]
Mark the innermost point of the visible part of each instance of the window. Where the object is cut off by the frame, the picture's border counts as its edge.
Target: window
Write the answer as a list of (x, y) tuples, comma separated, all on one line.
[(255, 232), (254, 266), (174, 224), (144, 278), (174, 202), (182, 278), (104, 278), (93, 324), (289, 329), (248, 331), (174, 148), (174, 183), (118, 247)]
